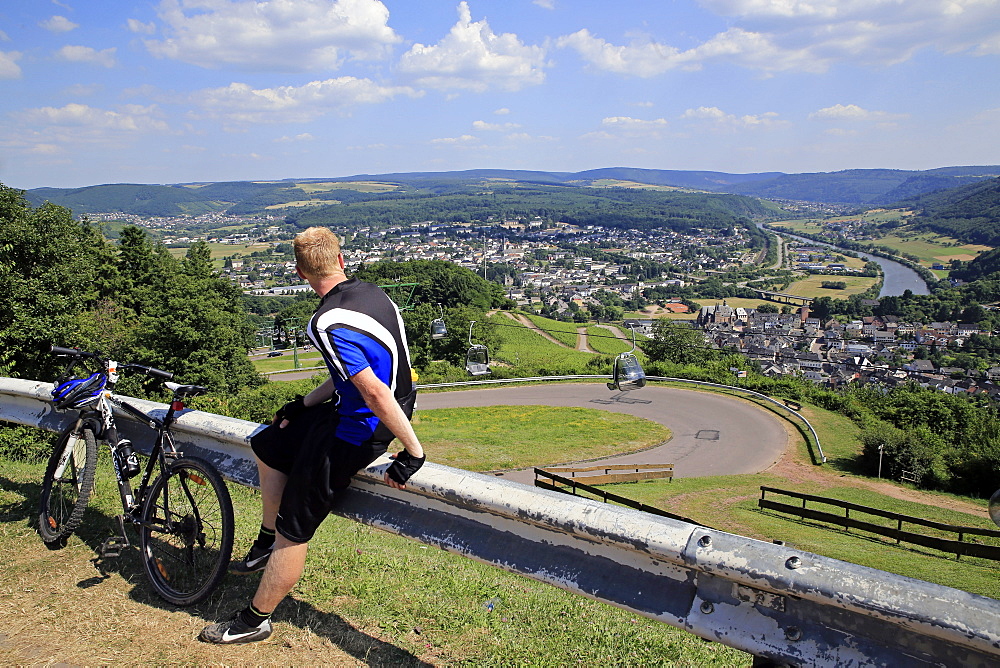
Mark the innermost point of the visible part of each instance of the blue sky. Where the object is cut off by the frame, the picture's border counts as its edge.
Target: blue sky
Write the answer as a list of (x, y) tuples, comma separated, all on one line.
[(173, 91)]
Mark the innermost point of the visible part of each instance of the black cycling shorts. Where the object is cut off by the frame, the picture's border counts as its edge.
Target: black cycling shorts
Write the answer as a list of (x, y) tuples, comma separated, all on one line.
[(318, 465)]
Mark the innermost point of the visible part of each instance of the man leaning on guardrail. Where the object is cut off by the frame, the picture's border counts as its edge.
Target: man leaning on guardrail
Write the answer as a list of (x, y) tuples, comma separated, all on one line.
[(314, 445)]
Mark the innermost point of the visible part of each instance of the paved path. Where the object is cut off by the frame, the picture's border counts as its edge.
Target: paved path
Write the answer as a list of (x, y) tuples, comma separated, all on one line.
[(712, 434)]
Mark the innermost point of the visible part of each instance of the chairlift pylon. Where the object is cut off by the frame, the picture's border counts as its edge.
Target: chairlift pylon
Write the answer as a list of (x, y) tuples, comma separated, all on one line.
[(438, 329), (477, 359), (627, 373)]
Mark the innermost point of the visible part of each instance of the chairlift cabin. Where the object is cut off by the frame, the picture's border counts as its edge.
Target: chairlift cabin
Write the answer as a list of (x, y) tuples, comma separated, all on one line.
[(438, 328), (477, 359), (627, 373)]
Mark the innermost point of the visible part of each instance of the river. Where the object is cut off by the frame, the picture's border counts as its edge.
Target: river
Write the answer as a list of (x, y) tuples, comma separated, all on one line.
[(897, 277)]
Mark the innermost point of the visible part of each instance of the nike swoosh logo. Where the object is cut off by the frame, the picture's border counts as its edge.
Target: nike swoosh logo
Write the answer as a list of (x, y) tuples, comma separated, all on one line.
[(227, 638), (253, 562)]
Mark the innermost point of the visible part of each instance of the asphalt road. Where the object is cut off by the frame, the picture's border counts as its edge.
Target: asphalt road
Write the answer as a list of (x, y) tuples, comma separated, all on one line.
[(711, 434)]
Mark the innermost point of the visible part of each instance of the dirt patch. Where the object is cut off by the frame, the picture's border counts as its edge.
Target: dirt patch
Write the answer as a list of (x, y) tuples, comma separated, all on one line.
[(964, 257)]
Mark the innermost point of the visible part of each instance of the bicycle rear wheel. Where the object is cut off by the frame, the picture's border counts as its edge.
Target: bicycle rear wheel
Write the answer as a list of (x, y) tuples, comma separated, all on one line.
[(66, 487), (186, 536)]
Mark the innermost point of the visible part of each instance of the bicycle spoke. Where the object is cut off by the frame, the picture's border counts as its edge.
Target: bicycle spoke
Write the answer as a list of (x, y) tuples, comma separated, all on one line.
[(187, 532)]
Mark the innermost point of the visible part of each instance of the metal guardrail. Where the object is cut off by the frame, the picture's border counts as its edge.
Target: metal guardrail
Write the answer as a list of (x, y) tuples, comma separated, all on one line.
[(773, 601)]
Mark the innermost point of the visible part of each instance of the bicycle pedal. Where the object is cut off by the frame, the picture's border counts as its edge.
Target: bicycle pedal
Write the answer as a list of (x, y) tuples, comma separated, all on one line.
[(113, 546)]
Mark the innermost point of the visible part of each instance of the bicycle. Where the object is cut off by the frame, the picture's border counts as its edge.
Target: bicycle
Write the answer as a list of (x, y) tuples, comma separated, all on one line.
[(184, 517)]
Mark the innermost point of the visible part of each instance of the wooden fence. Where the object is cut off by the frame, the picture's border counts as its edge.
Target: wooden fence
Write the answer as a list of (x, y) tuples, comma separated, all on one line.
[(959, 547), (638, 472), (574, 486)]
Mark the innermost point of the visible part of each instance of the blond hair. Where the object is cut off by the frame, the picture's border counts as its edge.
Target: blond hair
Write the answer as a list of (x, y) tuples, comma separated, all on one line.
[(316, 252)]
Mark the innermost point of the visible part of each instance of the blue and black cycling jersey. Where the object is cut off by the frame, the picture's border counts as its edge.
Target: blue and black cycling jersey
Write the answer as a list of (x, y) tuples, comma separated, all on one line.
[(356, 327)]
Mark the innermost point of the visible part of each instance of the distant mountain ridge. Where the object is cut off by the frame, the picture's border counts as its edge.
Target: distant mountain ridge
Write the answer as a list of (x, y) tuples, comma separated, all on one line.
[(857, 187)]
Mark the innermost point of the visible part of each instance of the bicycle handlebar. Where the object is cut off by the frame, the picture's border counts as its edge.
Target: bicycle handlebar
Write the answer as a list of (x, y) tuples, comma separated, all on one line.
[(150, 371), (71, 352), (76, 353)]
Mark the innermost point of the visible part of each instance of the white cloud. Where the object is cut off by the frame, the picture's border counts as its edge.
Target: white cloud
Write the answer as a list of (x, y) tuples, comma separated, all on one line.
[(273, 35), (81, 90), (841, 132), (641, 58), (461, 140), (369, 147), (58, 24), (498, 127), (241, 103), (852, 112), (646, 58), (9, 69), (809, 35), (719, 119), (503, 111), (305, 136), (85, 54), (44, 149), (473, 57), (141, 28), (545, 4), (81, 117), (635, 124), (525, 137), (625, 127)]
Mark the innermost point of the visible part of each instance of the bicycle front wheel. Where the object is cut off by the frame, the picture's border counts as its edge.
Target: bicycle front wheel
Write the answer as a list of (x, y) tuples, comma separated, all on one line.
[(186, 535), (66, 488)]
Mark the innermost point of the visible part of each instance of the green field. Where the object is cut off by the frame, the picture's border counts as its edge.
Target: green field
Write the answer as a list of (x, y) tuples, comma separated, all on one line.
[(932, 248), (564, 332), (812, 286), (220, 251), (493, 438), (928, 247), (527, 347), (605, 342), (287, 361), (359, 186)]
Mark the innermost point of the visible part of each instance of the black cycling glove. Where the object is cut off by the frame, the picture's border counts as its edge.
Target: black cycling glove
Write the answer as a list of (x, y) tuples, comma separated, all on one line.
[(404, 465), (290, 411)]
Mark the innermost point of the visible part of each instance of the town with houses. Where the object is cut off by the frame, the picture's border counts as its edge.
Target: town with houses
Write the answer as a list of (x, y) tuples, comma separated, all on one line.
[(835, 353), (831, 353)]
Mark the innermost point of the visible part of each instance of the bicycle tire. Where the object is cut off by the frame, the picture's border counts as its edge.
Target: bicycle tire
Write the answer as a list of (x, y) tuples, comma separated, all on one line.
[(65, 496), (186, 534)]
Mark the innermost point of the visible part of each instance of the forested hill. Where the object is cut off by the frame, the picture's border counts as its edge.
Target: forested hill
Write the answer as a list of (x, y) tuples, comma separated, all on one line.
[(970, 213), (861, 187), (615, 207)]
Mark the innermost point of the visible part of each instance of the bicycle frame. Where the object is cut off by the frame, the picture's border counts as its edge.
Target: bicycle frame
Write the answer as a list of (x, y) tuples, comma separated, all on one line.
[(101, 418)]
